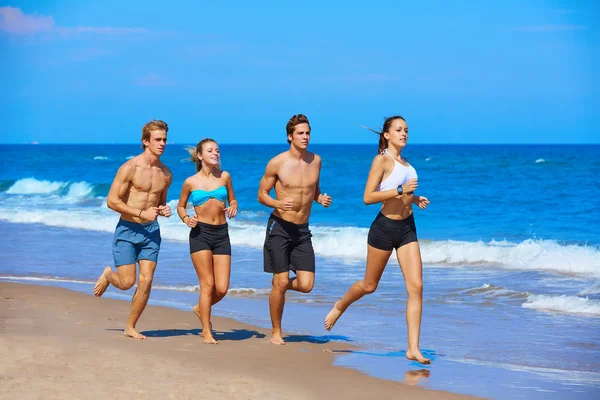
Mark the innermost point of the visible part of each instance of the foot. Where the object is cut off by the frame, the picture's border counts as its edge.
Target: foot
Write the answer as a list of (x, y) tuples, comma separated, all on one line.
[(416, 355), (196, 310), (277, 339), (332, 317), (208, 338), (132, 333), (101, 283)]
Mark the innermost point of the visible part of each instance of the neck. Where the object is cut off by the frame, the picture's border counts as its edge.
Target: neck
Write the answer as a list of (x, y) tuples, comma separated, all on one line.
[(296, 152), (207, 170), (150, 158), (394, 152)]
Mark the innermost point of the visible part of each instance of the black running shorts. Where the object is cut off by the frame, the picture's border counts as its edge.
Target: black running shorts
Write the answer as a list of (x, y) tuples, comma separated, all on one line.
[(388, 234), (288, 246), (210, 237)]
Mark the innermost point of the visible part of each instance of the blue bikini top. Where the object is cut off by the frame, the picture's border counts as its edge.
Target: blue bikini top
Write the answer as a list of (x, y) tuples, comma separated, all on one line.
[(199, 196)]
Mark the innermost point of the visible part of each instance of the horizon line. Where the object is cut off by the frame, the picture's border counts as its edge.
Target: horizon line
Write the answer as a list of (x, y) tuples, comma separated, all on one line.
[(313, 144)]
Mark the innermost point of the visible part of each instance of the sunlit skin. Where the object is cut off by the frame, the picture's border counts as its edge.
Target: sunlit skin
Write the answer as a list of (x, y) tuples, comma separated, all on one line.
[(295, 176), (396, 207), (139, 194), (213, 270)]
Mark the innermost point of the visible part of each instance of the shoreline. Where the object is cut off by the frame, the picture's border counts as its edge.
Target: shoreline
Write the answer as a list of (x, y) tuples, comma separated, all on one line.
[(69, 344)]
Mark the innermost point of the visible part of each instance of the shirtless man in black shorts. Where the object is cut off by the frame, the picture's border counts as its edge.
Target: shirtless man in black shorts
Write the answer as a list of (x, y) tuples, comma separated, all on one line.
[(295, 176)]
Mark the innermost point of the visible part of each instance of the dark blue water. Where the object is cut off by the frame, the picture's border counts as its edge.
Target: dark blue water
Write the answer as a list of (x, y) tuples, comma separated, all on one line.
[(510, 245)]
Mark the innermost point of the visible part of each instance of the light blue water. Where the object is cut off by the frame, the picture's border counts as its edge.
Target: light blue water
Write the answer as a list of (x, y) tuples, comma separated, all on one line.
[(510, 245)]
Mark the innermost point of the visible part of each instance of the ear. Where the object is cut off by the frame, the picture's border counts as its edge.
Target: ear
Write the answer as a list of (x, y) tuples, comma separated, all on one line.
[(386, 135), (290, 136)]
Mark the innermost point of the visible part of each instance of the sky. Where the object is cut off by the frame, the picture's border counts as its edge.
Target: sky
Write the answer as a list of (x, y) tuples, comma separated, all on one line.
[(459, 72)]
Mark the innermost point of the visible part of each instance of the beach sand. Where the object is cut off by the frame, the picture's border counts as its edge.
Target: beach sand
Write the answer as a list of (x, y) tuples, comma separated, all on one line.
[(60, 344)]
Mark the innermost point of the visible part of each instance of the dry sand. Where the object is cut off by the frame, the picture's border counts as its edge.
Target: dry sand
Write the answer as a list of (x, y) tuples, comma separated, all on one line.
[(60, 344)]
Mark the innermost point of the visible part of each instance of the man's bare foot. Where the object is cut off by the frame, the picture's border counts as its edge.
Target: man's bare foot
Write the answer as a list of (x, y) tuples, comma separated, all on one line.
[(208, 338), (277, 339), (197, 312), (332, 317), (132, 333), (417, 356), (101, 284)]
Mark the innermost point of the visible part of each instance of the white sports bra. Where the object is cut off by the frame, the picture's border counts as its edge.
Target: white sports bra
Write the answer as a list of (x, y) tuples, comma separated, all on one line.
[(399, 176)]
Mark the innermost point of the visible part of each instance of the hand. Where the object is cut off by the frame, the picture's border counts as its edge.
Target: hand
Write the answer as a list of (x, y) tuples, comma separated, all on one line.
[(231, 210), (410, 186), (191, 221), (165, 211), (286, 204), (150, 214), (421, 201), (326, 200)]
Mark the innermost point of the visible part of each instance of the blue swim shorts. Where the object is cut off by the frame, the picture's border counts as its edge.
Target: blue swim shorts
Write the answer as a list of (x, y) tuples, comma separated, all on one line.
[(134, 242)]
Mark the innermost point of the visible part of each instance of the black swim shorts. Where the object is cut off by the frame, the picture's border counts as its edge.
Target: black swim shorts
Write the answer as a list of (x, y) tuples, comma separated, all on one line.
[(210, 237), (388, 234), (288, 246)]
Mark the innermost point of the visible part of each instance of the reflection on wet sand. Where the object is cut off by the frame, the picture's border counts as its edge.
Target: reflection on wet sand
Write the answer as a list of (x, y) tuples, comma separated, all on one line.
[(413, 377)]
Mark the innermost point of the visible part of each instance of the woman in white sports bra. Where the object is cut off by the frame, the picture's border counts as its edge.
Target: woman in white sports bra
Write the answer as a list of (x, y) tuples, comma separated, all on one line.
[(392, 181)]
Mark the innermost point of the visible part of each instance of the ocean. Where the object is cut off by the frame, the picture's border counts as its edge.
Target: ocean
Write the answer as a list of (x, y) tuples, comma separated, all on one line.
[(510, 245)]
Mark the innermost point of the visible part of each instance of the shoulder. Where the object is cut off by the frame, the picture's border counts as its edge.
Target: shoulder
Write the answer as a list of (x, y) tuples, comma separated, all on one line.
[(165, 170), (225, 175), (278, 160), (128, 167), (313, 157), (380, 161)]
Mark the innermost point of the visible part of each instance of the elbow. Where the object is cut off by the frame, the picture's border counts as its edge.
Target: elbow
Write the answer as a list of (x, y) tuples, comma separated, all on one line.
[(110, 203), (367, 200)]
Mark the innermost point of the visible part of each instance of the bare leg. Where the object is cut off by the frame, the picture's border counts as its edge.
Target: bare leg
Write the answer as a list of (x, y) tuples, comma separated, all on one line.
[(276, 303), (222, 268), (409, 257), (203, 263), (123, 279), (140, 297), (303, 282), (376, 262)]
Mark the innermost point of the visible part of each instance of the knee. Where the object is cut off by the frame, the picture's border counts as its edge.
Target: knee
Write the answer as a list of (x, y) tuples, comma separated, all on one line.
[(281, 283), (415, 288), (305, 287), (127, 282), (207, 287), (221, 292), (369, 287), (145, 281)]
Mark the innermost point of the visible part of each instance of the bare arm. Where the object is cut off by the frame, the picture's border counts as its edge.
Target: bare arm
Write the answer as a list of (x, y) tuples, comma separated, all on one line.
[(233, 204), (183, 200), (371, 195), (322, 198), (118, 190), (163, 208), (267, 183), (318, 195)]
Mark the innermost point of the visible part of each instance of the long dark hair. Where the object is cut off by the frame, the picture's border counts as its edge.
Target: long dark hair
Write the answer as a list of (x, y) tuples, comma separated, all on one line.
[(195, 151), (383, 142)]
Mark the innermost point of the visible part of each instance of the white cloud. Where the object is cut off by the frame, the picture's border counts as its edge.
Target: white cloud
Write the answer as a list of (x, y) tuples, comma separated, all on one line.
[(14, 20)]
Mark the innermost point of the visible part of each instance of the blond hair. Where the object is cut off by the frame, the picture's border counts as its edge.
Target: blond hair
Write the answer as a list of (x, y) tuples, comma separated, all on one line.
[(153, 125)]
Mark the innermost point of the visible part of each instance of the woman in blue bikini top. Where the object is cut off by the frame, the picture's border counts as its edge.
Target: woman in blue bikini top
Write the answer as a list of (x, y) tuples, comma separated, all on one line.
[(209, 191)]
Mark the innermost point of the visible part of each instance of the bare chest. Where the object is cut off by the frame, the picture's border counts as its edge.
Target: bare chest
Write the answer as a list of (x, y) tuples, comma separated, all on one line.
[(294, 175), (149, 180)]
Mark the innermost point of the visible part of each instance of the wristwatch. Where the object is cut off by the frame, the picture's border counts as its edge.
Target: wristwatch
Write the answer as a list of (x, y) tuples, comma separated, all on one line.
[(399, 189)]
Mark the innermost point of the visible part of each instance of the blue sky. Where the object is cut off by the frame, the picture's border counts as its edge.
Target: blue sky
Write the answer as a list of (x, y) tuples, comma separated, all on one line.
[(460, 72)]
